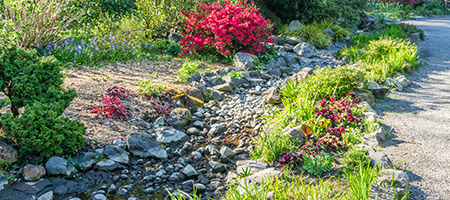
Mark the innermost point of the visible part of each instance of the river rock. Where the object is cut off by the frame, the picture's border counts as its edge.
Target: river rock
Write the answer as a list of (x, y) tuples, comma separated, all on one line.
[(189, 171), (403, 81), (397, 178), (305, 49), (226, 87), (381, 159), (33, 172), (179, 117), (142, 145), (217, 167), (365, 95), (245, 61), (85, 160), (167, 135), (295, 133), (390, 82), (227, 152), (253, 165), (56, 166), (46, 196), (379, 132), (116, 154), (8, 153), (273, 96), (3, 181)]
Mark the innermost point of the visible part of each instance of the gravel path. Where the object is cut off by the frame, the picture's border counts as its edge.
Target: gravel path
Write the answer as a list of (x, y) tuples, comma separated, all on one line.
[(420, 116)]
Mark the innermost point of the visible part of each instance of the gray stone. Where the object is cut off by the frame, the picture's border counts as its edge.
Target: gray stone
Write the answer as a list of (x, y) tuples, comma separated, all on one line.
[(257, 178), (142, 145), (273, 96), (377, 90), (212, 150), (8, 153), (226, 87), (227, 152), (301, 75), (61, 190), (295, 133), (245, 61), (403, 81), (3, 181), (98, 197), (56, 166), (394, 83), (116, 154), (212, 81), (379, 132), (305, 49), (160, 173), (253, 165), (198, 124), (107, 165), (290, 58), (123, 191), (281, 62), (236, 82), (295, 25), (192, 131), (329, 32), (189, 171), (33, 172), (85, 160), (397, 178), (195, 92), (217, 129), (167, 135), (46, 196), (175, 177), (381, 159), (365, 95), (217, 167), (215, 94), (200, 187), (119, 143), (112, 188), (275, 72), (179, 117)]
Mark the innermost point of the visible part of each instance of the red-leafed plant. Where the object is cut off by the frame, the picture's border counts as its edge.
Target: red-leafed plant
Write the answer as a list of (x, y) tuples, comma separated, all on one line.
[(112, 108), (228, 27), (119, 92)]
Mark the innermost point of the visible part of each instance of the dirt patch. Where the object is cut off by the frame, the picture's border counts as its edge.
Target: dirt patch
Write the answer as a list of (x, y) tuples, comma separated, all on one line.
[(91, 83)]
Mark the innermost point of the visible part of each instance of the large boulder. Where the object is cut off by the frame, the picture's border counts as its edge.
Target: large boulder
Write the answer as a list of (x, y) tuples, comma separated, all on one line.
[(179, 117), (167, 135), (305, 49), (256, 179), (142, 145), (301, 75), (365, 95), (56, 166), (245, 61), (295, 25), (8, 153), (377, 90)]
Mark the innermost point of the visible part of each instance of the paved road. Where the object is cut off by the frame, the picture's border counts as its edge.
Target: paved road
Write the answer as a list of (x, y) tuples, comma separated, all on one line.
[(420, 116)]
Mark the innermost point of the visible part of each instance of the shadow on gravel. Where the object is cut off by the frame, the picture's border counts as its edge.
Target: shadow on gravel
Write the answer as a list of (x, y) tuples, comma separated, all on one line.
[(391, 141), (416, 191)]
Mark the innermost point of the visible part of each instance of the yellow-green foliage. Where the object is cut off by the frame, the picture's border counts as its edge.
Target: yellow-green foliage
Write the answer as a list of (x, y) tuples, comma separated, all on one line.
[(314, 35)]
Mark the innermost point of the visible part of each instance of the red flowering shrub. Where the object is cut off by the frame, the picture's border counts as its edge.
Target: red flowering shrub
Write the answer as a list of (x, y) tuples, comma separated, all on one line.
[(228, 27)]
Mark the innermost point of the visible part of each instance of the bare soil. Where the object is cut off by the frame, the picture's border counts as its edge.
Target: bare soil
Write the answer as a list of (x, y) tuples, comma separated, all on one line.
[(91, 83)]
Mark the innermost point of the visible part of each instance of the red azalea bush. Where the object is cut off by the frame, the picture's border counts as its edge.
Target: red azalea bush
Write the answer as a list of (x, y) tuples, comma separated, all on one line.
[(228, 27)]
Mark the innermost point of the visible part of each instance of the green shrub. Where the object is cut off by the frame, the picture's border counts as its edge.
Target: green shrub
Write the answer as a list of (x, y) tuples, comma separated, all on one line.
[(27, 78), (187, 70), (393, 11), (235, 74), (355, 157), (42, 130), (348, 12), (303, 10), (313, 34), (35, 82), (147, 87)]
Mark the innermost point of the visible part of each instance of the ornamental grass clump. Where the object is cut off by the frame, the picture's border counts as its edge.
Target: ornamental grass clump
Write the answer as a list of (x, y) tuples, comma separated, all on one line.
[(227, 27)]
